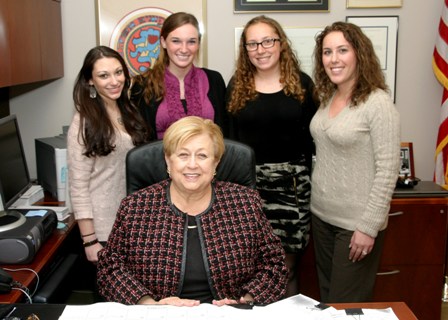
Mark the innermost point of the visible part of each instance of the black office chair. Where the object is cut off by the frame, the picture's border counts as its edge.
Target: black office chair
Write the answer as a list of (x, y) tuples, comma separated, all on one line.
[(145, 165)]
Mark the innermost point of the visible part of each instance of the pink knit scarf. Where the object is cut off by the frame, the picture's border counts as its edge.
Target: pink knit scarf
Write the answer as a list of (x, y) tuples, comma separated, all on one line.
[(196, 88)]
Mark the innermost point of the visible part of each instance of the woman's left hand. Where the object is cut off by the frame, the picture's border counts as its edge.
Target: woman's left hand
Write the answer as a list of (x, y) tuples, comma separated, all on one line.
[(247, 299), (361, 245)]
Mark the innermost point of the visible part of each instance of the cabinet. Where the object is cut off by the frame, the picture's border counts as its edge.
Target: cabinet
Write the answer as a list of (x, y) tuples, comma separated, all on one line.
[(30, 41), (412, 266), (413, 261)]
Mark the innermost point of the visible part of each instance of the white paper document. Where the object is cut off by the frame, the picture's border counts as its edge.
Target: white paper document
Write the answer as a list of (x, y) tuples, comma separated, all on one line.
[(297, 307)]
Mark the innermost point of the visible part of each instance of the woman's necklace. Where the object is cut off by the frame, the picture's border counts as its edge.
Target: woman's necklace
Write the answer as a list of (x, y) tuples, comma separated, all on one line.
[(114, 113)]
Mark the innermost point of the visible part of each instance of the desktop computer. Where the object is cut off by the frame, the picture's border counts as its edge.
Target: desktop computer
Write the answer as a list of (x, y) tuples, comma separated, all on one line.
[(51, 164)]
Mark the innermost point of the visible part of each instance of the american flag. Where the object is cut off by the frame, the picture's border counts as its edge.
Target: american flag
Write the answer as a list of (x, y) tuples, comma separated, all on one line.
[(440, 67)]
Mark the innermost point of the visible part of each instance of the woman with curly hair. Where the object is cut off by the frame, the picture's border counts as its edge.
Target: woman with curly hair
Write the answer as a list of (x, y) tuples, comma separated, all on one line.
[(271, 103), (357, 135)]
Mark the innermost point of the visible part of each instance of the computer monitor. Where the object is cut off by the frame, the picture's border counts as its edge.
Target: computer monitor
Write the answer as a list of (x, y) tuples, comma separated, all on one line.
[(14, 175)]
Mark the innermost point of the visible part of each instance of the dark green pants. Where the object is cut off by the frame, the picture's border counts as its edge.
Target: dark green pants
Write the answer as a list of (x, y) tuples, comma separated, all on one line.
[(341, 280)]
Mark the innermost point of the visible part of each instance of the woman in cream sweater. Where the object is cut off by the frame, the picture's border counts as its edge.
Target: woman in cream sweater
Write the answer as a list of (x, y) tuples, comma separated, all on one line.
[(357, 135)]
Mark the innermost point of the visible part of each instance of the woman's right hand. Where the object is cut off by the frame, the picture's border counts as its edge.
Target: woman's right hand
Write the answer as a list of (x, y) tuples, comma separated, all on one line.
[(92, 252)]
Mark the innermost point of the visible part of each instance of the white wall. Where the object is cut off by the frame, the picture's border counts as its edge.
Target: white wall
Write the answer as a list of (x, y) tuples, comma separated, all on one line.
[(43, 111)]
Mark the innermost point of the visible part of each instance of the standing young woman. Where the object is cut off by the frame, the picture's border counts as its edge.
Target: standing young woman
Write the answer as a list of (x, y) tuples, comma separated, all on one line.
[(271, 105), (175, 87), (357, 136), (104, 127)]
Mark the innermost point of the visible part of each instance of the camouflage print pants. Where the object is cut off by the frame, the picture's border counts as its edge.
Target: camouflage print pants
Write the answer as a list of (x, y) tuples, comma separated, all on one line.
[(286, 189)]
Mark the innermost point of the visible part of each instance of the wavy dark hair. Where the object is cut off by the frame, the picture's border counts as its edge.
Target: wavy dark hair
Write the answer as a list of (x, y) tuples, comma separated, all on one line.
[(369, 75), (243, 79), (96, 129), (152, 80)]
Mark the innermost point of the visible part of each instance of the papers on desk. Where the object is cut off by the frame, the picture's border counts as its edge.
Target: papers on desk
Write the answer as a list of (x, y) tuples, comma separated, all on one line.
[(297, 307)]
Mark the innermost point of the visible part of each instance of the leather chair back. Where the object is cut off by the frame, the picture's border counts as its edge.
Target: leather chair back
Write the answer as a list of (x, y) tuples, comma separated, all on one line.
[(145, 165)]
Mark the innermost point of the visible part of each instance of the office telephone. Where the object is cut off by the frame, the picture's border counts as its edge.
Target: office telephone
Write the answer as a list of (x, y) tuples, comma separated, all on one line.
[(5, 281)]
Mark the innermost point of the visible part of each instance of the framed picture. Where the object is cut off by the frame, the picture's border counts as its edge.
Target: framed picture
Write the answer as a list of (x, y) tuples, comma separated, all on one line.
[(383, 32), (242, 6), (302, 41), (133, 28), (374, 3), (407, 160)]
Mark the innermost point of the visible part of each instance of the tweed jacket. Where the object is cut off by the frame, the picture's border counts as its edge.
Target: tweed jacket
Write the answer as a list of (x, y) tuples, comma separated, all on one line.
[(145, 254)]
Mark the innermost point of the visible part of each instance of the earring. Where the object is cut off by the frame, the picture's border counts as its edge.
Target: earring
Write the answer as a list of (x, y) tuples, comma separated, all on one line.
[(168, 171), (92, 92)]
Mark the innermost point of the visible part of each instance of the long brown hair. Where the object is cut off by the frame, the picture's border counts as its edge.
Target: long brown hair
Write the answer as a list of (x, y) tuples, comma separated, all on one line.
[(243, 79), (152, 80), (369, 75), (96, 129)]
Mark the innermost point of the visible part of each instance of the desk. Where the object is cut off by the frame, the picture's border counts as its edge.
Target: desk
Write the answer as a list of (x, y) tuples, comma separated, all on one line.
[(400, 309), (41, 263), (53, 311)]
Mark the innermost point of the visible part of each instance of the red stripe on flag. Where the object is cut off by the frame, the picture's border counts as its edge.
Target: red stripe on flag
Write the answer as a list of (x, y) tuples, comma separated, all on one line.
[(443, 31), (444, 94), (443, 131), (440, 62)]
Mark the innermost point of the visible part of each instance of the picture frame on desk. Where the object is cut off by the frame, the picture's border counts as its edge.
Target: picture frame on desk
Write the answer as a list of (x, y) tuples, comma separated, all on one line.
[(407, 160)]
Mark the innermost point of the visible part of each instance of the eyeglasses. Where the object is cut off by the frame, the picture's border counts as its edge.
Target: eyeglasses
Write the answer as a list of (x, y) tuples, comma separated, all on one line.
[(267, 43)]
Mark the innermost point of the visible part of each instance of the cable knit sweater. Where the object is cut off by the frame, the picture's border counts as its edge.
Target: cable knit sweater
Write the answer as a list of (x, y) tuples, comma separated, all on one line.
[(357, 164), (97, 184)]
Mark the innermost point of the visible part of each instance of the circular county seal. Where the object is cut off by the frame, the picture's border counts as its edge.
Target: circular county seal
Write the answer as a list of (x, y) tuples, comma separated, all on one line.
[(136, 38)]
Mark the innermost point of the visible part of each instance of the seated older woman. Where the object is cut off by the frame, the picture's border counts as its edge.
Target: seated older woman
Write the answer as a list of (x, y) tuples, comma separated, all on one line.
[(191, 239)]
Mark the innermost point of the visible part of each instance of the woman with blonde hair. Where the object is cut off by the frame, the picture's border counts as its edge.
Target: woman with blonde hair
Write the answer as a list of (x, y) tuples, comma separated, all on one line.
[(191, 239)]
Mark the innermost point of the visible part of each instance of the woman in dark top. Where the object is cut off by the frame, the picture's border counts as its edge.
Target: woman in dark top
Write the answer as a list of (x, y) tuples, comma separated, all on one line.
[(271, 103), (191, 239), (175, 87)]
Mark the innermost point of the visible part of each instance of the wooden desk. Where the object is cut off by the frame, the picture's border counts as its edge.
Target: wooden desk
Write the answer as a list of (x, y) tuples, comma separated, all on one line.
[(41, 263), (400, 309)]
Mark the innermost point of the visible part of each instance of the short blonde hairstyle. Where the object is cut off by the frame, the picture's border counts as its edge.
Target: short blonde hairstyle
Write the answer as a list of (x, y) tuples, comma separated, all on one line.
[(188, 127)]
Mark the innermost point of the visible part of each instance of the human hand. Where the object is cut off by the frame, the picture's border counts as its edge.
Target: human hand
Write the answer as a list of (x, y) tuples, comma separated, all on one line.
[(178, 302), (247, 299), (361, 245), (225, 301), (92, 252)]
